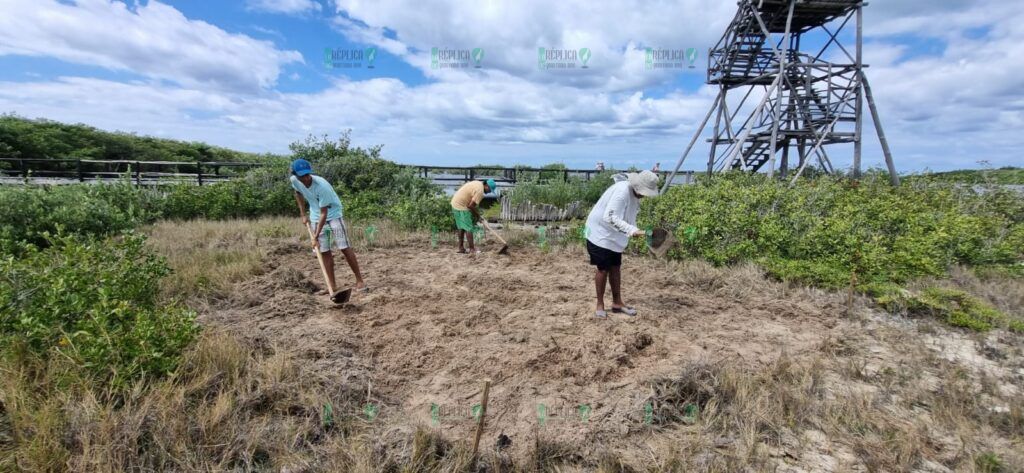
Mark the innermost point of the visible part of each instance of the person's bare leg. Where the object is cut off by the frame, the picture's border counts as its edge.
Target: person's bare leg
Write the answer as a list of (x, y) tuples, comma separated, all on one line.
[(469, 239), (600, 280), (329, 265), (350, 257), (462, 234), (615, 278)]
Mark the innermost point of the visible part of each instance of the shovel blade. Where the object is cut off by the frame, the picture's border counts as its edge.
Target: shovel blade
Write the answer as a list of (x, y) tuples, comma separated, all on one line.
[(503, 250), (341, 297)]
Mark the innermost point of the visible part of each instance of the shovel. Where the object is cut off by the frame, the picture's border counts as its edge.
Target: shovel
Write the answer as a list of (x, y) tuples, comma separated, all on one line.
[(661, 241), (338, 297), (504, 248)]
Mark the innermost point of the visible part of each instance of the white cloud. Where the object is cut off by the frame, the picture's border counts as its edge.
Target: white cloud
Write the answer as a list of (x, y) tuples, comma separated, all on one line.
[(291, 7), (510, 32), (458, 118), (154, 40), (951, 107)]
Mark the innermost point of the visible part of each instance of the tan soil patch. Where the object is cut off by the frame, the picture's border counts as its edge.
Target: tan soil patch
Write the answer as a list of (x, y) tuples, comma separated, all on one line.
[(436, 323)]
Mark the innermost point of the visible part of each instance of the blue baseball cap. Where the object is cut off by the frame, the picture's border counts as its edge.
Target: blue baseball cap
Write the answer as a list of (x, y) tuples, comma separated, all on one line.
[(491, 185), (301, 167)]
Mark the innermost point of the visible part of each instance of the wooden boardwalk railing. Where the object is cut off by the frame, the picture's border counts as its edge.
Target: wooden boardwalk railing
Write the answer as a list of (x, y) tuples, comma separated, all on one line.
[(204, 172)]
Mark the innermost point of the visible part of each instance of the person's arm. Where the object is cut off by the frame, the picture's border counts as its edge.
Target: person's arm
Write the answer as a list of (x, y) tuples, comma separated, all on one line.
[(616, 209), (475, 210), (301, 202)]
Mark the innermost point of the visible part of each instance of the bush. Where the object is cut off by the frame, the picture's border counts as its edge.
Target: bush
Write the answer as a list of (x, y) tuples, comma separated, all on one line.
[(95, 303), (29, 213), (560, 193), (821, 231)]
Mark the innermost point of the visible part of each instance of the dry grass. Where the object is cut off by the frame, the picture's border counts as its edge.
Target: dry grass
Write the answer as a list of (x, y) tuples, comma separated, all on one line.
[(209, 257), (878, 396)]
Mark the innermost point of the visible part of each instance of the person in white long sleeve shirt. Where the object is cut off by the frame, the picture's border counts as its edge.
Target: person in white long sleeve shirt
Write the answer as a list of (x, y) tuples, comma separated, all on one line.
[(610, 225)]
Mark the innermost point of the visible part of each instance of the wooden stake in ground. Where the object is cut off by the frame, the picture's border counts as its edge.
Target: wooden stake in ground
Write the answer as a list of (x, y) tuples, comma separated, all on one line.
[(483, 414)]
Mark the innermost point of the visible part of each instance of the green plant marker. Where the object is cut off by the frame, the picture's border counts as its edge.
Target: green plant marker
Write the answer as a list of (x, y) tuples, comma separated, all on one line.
[(648, 413), (691, 233), (435, 414), (371, 234), (690, 412), (478, 235), (584, 410), (433, 237), (476, 411), (327, 415), (585, 232), (649, 236), (370, 410), (542, 414), (542, 236)]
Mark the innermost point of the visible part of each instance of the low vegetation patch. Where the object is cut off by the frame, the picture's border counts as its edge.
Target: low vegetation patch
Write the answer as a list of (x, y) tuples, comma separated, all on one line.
[(93, 303)]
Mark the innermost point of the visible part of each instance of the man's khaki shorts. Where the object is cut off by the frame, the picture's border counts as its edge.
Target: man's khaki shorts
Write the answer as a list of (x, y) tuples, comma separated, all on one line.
[(333, 236)]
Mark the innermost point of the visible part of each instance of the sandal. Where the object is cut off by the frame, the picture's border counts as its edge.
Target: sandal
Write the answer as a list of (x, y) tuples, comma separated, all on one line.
[(625, 310), (462, 251), (600, 314), (362, 290)]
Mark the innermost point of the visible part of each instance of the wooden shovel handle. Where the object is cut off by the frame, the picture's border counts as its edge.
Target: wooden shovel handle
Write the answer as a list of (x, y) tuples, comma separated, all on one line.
[(488, 227), (320, 259)]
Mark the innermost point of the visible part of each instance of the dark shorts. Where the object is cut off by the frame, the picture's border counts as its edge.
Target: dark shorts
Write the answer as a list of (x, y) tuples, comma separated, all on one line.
[(603, 258)]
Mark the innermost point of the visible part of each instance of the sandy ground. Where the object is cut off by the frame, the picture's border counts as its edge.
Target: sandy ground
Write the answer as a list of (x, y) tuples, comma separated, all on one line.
[(436, 324)]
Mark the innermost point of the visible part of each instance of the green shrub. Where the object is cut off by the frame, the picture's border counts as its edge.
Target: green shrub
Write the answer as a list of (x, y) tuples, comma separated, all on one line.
[(29, 213), (822, 230), (93, 302), (559, 192)]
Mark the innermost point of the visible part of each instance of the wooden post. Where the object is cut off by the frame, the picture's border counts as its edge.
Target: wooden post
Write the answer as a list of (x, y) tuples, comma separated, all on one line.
[(714, 137), (700, 129), (138, 174), (777, 110), (199, 172), (483, 415), (81, 175), (894, 178), (858, 128)]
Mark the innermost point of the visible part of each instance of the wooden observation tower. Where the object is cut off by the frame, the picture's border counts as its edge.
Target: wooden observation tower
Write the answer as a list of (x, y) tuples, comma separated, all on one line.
[(780, 108)]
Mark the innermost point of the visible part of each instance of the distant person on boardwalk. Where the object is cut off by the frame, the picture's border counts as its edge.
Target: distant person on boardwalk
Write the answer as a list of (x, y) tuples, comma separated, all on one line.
[(325, 219), (656, 168), (610, 225), (600, 166), (466, 208)]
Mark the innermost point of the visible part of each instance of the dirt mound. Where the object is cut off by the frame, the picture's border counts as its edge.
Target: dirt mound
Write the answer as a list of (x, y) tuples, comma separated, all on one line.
[(436, 323)]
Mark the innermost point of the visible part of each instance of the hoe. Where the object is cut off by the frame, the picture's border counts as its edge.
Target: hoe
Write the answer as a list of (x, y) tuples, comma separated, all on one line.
[(504, 247), (338, 297)]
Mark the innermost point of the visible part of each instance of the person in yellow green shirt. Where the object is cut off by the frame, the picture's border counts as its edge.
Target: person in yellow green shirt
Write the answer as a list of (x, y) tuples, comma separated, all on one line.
[(466, 208)]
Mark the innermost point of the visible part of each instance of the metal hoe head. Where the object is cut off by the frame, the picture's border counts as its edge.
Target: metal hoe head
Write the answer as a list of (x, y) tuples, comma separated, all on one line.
[(661, 241), (341, 297)]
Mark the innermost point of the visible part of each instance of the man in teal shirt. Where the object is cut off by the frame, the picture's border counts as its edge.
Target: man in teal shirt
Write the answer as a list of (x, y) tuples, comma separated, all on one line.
[(325, 218)]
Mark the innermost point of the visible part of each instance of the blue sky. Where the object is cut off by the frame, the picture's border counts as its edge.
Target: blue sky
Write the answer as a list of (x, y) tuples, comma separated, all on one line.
[(250, 75)]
